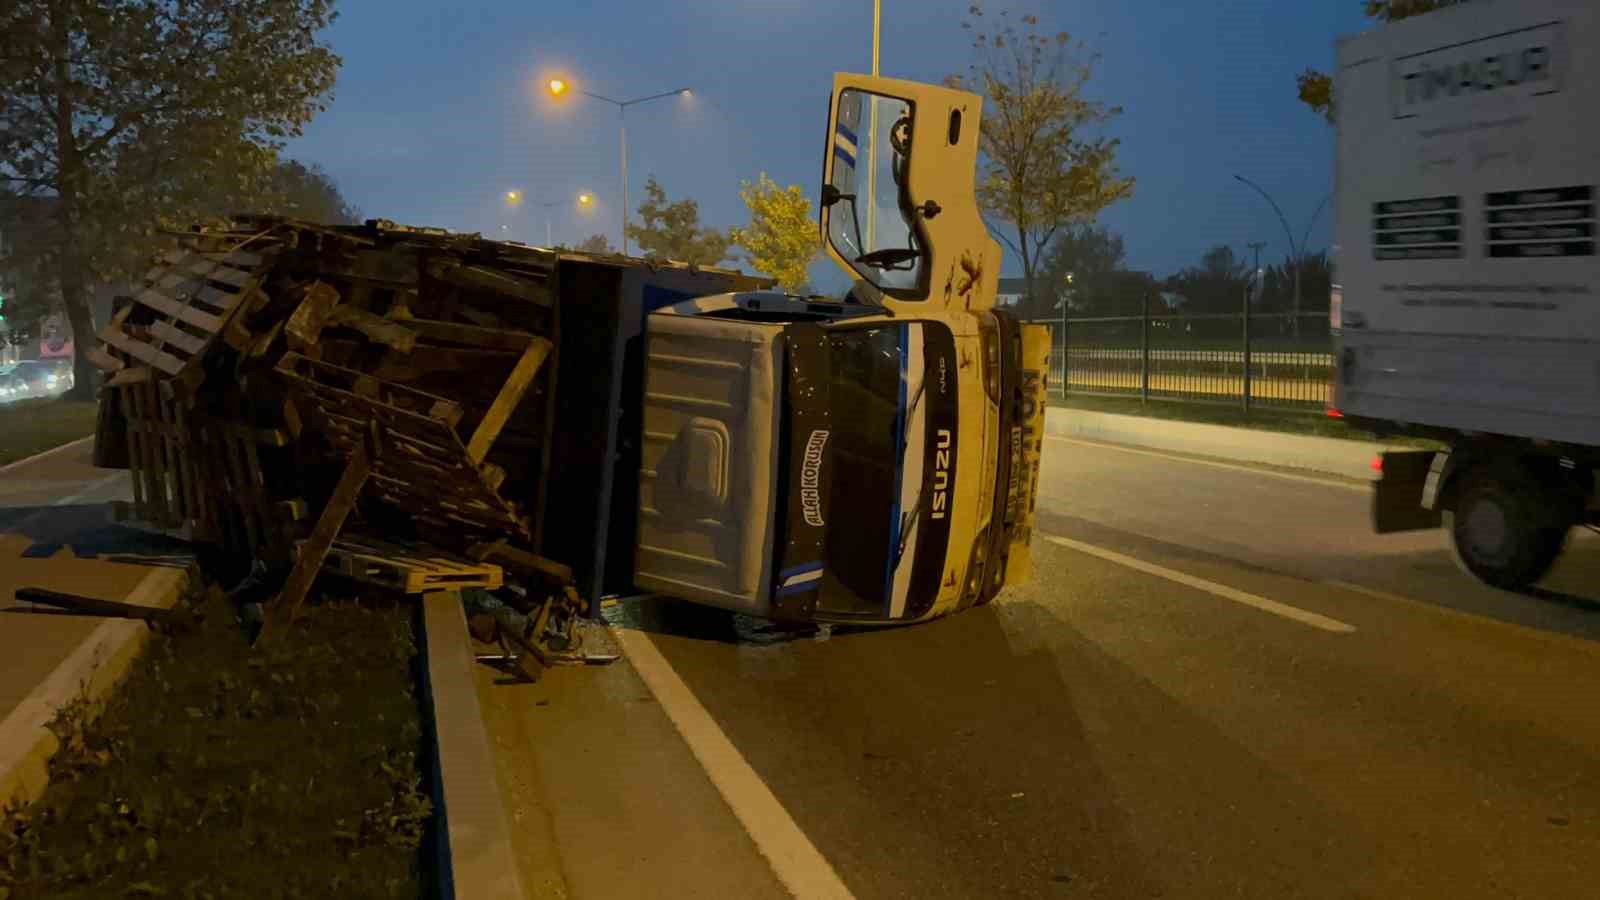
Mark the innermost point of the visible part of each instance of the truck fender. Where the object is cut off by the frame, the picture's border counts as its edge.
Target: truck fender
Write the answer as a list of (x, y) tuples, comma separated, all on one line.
[(1435, 490)]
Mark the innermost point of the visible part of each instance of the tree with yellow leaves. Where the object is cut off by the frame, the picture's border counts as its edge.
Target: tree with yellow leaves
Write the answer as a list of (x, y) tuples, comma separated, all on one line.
[(782, 238)]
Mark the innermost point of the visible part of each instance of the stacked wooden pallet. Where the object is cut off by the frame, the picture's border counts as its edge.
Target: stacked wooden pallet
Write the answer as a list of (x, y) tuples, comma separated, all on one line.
[(274, 382)]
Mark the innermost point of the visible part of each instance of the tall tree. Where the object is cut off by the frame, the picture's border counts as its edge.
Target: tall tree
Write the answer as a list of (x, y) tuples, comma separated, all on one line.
[(782, 238), (596, 243), (1215, 286), (1091, 254), (1043, 167), (672, 230), (1316, 88), (134, 116), (303, 191)]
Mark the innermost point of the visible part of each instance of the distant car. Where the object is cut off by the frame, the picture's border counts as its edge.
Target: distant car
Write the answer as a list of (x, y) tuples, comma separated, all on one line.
[(13, 387), (43, 377)]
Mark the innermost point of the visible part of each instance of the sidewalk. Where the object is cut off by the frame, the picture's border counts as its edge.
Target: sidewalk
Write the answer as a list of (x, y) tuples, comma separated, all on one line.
[(1348, 459), (56, 533)]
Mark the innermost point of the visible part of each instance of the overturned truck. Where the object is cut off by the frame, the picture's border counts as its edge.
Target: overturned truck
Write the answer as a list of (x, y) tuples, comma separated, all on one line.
[(428, 410)]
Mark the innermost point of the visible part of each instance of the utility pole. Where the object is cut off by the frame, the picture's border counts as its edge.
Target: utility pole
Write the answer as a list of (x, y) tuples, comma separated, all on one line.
[(1296, 251)]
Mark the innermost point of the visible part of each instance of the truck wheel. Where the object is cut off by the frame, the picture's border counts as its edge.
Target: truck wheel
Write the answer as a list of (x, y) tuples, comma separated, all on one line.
[(1502, 529)]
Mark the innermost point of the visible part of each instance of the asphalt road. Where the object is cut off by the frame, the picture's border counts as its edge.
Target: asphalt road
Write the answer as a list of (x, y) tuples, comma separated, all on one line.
[(1220, 684)]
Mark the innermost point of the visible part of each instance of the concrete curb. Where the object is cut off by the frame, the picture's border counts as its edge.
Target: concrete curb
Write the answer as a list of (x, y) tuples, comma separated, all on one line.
[(91, 671), (1330, 456), (17, 464), (474, 838)]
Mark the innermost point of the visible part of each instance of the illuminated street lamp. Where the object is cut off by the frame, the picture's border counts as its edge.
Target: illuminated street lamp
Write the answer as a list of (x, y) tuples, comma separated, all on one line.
[(558, 87), (514, 198)]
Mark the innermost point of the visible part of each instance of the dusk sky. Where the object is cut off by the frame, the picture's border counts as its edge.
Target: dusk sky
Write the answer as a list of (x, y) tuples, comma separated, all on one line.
[(439, 111)]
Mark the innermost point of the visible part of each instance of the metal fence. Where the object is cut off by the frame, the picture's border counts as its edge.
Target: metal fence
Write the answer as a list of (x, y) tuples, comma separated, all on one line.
[(1274, 360)]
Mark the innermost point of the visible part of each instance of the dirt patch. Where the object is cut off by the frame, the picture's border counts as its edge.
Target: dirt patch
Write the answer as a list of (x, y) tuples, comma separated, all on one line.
[(218, 770)]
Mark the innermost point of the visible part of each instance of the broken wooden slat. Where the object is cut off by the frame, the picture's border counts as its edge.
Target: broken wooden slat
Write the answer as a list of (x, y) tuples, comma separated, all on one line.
[(315, 550), (306, 322), (384, 331), (532, 565), (506, 403)]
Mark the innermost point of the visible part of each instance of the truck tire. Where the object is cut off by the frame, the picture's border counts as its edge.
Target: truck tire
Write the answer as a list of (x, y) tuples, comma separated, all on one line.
[(1503, 527)]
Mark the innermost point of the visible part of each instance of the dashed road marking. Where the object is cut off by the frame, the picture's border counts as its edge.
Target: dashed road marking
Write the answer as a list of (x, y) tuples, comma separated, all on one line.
[(1295, 613)]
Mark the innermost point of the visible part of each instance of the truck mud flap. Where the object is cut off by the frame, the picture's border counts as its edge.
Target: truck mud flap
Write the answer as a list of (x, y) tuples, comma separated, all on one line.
[(1397, 497)]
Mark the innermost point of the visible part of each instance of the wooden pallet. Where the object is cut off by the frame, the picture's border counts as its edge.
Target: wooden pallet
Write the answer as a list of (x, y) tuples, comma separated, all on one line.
[(408, 570), (187, 302), (419, 463), (207, 475)]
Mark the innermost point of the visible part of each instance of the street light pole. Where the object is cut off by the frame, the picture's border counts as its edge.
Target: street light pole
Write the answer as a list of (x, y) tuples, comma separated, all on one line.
[(1294, 249), (872, 137), (558, 87)]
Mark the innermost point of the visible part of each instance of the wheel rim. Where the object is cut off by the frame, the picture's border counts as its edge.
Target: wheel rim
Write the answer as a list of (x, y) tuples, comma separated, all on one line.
[(1486, 530)]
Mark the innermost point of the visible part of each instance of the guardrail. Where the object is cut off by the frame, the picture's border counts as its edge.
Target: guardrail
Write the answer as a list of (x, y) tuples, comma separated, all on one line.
[(1273, 360)]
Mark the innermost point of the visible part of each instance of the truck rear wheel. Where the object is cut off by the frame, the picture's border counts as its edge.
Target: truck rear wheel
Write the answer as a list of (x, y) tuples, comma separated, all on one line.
[(1503, 526)]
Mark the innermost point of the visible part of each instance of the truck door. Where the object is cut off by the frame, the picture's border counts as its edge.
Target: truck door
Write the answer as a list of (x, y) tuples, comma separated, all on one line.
[(898, 206)]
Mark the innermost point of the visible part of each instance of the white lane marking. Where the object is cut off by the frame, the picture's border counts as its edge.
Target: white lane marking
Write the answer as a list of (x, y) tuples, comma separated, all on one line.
[(1253, 470), (1295, 613), (38, 456), (794, 859)]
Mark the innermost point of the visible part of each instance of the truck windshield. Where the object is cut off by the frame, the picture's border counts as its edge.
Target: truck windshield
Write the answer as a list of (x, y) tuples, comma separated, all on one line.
[(892, 405)]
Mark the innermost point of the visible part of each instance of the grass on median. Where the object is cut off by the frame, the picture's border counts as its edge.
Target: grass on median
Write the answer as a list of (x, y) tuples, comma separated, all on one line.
[(34, 426), (218, 770), (1286, 421)]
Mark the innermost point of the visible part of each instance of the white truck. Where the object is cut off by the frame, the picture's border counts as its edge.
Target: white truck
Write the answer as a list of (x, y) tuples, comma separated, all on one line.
[(1465, 301)]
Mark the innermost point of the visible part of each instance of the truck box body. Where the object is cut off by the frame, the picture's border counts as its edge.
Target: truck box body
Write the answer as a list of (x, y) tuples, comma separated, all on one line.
[(1466, 188)]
